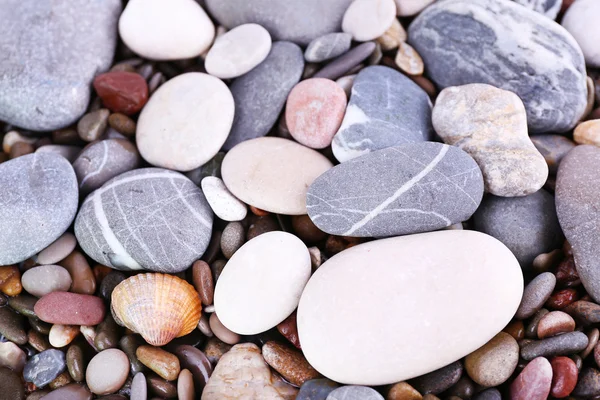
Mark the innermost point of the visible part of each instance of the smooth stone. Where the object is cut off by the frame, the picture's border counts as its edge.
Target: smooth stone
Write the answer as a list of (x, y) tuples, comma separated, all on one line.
[(12, 356), (58, 250), (165, 364), (215, 349), (316, 389), (24, 304), (412, 188), (10, 280), (527, 225), (494, 133), (588, 384), (185, 122), (332, 342), (62, 335), (11, 387), (393, 37), (75, 362), (273, 174), (407, 8), (195, 362), (533, 383), (561, 345), (555, 323), (247, 302), (137, 203), (346, 62), (122, 123), (296, 22), (354, 393), (439, 380), (577, 186), (108, 333), (494, 362), (107, 371), (386, 109), (328, 46), (564, 376), (549, 8), (12, 326), (71, 391), (580, 20), (161, 388), (93, 124), (553, 148), (39, 281), (160, 31), (587, 132), (223, 203), (403, 391), (211, 168), (40, 90), (121, 91), (288, 362), (66, 308), (44, 367), (68, 152), (535, 295), (139, 389), (238, 51), (221, 331), (233, 237), (505, 46), (185, 385), (109, 283), (276, 75), (38, 341), (203, 282), (104, 160), (584, 312), (367, 19), (129, 344), (488, 394), (39, 203)]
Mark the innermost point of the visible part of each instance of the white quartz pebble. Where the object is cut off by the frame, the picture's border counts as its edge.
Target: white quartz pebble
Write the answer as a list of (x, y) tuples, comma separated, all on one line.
[(223, 203), (368, 19)]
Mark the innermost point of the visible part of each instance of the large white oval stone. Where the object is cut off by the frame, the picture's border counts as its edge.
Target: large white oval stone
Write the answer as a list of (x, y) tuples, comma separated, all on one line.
[(393, 309)]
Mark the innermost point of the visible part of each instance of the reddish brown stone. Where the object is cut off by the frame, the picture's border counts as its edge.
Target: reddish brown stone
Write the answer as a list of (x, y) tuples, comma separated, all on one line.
[(258, 212), (123, 92), (562, 299), (584, 312), (66, 308), (203, 281), (566, 273), (515, 329), (20, 149), (306, 230), (10, 280), (555, 323), (564, 376), (84, 281), (100, 272), (289, 329), (534, 382), (335, 244), (289, 362)]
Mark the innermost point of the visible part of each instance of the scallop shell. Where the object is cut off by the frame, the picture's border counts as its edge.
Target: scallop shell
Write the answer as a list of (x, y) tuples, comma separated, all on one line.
[(159, 307)]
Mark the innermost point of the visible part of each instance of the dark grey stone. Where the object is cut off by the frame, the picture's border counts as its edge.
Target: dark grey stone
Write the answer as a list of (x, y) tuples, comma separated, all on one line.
[(51, 51), (588, 383), (439, 380), (327, 47), (488, 394), (12, 326), (503, 44), (149, 218), (386, 109), (553, 148), (11, 387), (255, 112), (44, 367), (535, 295), (346, 62), (561, 345), (549, 8), (316, 389), (354, 393), (38, 202), (109, 283), (211, 168), (416, 187)]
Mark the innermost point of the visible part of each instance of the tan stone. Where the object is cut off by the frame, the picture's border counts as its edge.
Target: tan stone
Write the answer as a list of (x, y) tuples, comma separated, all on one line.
[(403, 391), (588, 132), (392, 38), (493, 363), (165, 364), (408, 60)]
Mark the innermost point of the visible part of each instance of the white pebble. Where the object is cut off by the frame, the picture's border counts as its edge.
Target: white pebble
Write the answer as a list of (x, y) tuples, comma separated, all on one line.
[(368, 19), (224, 204)]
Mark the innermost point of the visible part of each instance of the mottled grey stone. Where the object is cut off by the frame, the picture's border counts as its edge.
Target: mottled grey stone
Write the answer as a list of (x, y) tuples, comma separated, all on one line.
[(505, 45), (549, 8), (51, 51), (354, 393), (38, 202), (553, 148), (416, 187), (439, 380), (150, 218), (588, 383), (488, 394), (296, 21), (578, 209), (386, 109), (527, 225), (44, 367), (255, 112), (316, 389), (327, 47), (535, 295), (346, 62), (561, 345)]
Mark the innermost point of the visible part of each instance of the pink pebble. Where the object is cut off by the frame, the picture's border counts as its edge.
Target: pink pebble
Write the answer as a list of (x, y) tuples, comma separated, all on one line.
[(534, 382), (66, 308)]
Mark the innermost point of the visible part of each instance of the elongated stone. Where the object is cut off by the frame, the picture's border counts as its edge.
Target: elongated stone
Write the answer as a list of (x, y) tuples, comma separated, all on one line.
[(533, 383), (561, 345)]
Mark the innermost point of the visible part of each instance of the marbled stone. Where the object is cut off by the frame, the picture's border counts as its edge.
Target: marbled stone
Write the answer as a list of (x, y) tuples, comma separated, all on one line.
[(386, 109), (549, 8), (535, 295), (39, 201), (42, 368), (58, 250), (223, 203), (533, 383), (316, 389), (584, 312), (588, 384), (48, 86), (494, 362), (412, 188), (581, 22), (476, 278), (148, 218), (553, 148), (346, 62), (561, 345), (288, 362), (45, 279), (354, 393), (327, 47), (505, 45), (368, 19)]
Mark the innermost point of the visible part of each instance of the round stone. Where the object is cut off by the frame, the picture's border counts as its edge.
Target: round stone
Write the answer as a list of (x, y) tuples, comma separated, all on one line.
[(68, 152), (107, 371), (587, 132), (354, 393), (40, 281), (368, 19), (223, 203), (494, 362), (554, 323), (564, 376), (12, 356), (233, 237), (186, 122), (535, 295), (327, 47), (581, 22), (58, 250), (62, 335), (221, 331)]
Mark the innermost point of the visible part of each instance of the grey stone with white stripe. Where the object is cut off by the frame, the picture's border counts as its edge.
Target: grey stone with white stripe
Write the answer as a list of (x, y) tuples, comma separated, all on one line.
[(151, 218), (412, 188)]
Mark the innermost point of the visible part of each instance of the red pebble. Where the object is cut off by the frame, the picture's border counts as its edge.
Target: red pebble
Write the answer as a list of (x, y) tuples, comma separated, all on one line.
[(124, 92), (564, 376), (566, 274), (289, 329), (66, 308), (533, 383), (562, 298)]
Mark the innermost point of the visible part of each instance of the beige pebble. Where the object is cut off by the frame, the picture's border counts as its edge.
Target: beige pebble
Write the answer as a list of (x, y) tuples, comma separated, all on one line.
[(494, 362), (92, 125), (392, 38), (107, 371), (165, 364), (13, 137), (185, 385), (59, 250), (588, 132), (62, 335), (408, 60), (221, 332), (368, 19)]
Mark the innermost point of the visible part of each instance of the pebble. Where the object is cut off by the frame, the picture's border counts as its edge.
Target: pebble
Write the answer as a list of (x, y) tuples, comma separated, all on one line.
[(584, 312), (588, 384), (203, 281), (368, 19), (101, 161), (165, 364), (593, 336), (403, 391), (493, 363), (549, 8), (407, 8), (392, 38), (386, 109), (233, 237), (68, 152), (580, 20), (84, 281), (39, 281), (440, 380), (316, 389), (314, 111), (223, 203), (43, 91), (107, 371), (196, 363), (509, 52), (108, 284), (412, 188), (553, 148), (12, 326), (534, 382), (93, 125), (488, 394), (289, 363), (527, 225), (565, 344), (24, 305), (306, 230), (71, 391), (108, 333), (408, 60), (129, 345), (139, 389), (12, 356), (328, 46), (535, 295), (10, 280), (185, 385), (62, 335), (204, 326), (564, 376), (58, 250), (45, 186), (44, 367), (122, 124), (140, 202), (588, 132), (289, 329), (577, 185), (214, 350), (276, 75), (221, 331), (20, 149), (70, 309), (13, 137), (346, 62), (75, 362), (354, 393), (160, 31), (555, 323), (273, 174), (38, 341), (247, 303), (332, 341), (11, 387), (186, 122), (123, 92)]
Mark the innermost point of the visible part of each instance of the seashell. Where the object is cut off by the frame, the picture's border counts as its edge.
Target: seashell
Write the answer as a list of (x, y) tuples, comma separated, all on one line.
[(157, 306)]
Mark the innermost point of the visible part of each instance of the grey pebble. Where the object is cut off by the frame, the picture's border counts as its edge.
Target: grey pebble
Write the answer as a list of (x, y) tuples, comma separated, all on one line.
[(68, 152), (561, 345), (532, 327), (354, 393), (327, 47), (139, 389), (44, 367), (535, 295), (588, 383), (233, 237), (549, 8), (554, 148), (316, 389), (344, 63), (439, 380), (93, 124), (211, 168), (488, 394)]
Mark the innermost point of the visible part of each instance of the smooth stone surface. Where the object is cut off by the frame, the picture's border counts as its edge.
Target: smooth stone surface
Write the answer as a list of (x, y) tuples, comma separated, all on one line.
[(84, 280), (71, 391), (185, 385), (505, 46), (261, 284), (221, 331), (587, 132), (533, 383), (12, 356), (494, 362), (39, 202), (107, 371), (368, 19), (75, 362), (535, 295), (327, 47), (185, 122), (346, 62), (386, 109), (476, 278), (407, 8), (166, 31), (62, 335), (233, 237), (48, 86), (549, 8), (203, 281), (272, 174), (564, 376), (554, 323), (316, 389), (11, 387), (195, 362), (139, 388), (439, 380), (288, 362), (588, 384), (580, 20), (553, 148), (66, 308), (276, 75), (42, 368), (68, 152), (488, 394), (223, 203), (58, 250), (93, 124), (354, 393), (121, 92), (491, 125), (165, 364), (561, 345), (163, 211), (39, 281), (412, 188), (584, 312)]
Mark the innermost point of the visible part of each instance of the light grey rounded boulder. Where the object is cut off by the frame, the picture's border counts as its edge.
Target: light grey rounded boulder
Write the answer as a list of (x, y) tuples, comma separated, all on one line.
[(549, 8), (38, 202), (150, 218)]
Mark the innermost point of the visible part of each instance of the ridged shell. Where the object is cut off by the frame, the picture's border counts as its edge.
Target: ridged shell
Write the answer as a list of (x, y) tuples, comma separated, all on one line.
[(157, 306)]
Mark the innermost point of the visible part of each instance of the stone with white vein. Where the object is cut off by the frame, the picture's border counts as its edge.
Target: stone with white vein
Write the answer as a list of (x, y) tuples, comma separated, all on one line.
[(327, 47), (223, 203), (416, 187), (368, 19), (581, 20), (149, 218), (549, 8)]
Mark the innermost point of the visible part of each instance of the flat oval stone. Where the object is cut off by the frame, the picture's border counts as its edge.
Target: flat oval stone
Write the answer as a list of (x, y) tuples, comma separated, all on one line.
[(161, 31), (84, 280), (39, 203), (327, 47), (354, 393), (139, 388), (549, 8), (10, 385), (165, 212), (66, 308), (221, 331), (554, 323), (564, 376), (416, 187), (367, 20), (580, 20), (493, 363), (273, 174), (39, 281), (584, 312), (185, 385), (553, 148), (346, 62), (186, 122), (440, 380), (533, 383), (42, 368), (107, 371), (165, 364), (535, 295), (247, 302), (58, 250), (71, 391), (332, 341), (504, 45), (561, 345), (75, 362), (224, 204), (386, 109)]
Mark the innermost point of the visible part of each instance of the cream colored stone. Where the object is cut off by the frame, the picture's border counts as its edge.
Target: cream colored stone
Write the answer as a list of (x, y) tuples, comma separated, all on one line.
[(392, 38), (12, 356), (224, 204), (13, 137), (107, 371), (407, 8), (62, 335), (408, 60), (588, 132), (368, 19), (59, 250)]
